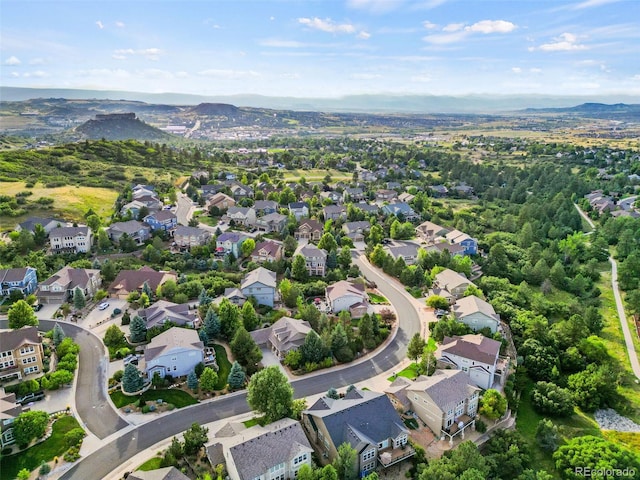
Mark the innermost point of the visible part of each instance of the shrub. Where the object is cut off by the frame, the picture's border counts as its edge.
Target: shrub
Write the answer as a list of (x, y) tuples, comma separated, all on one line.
[(170, 406), (72, 454), (551, 399), (481, 426), (74, 437), (118, 375)]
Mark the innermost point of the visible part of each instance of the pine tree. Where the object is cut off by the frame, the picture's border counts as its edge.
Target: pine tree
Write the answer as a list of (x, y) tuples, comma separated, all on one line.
[(147, 289), (236, 376), (138, 329), (212, 323), (78, 299), (131, 379), (366, 332), (192, 381), (58, 334), (332, 260), (245, 350), (204, 299)]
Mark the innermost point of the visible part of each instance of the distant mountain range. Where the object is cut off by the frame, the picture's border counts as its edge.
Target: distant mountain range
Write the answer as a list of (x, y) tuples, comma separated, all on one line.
[(379, 103)]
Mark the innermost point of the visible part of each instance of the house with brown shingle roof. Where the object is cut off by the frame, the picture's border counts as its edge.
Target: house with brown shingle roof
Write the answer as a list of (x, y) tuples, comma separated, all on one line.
[(348, 296), (310, 229), (283, 336), (128, 281), (163, 311), (60, 287), (476, 355), (267, 251), (21, 353)]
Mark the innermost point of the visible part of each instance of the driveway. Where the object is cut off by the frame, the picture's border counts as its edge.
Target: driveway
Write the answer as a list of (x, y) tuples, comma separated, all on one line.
[(97, 317), (269, 358), (47, 311)]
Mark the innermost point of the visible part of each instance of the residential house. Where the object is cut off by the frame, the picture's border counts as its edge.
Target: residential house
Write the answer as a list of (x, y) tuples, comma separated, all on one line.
[(393, 186), (47, 223), (10, 409), (70, 239), (265, 207), (175, 352), (221, 201), (235, 296), (267, 251), (23, 279), (283, 336), (310, 229), (356, 230), (476, 355), (367, 176), (242, 215), (353, 194), (407, 251), (133, 209), (260, 284), (334, 212), (439, 191), (453, 282), (315, 258), (211, 189), (332, 196), (129, 281), (447, 402), (463, 189), (239, 190), (140, 190), (275, 451), (187, 237), (431, 232), (363, 419), (200, 175), (348, 296), (385, 195), (162, 312), (166, 473), (442, 246), (299, 209), (230, 242), (406, 197), (400, 208), (21, 353), (367, 209), (476, 313), (456, 237), (164, 220), (136, 230), (61, 286), (271, 223)]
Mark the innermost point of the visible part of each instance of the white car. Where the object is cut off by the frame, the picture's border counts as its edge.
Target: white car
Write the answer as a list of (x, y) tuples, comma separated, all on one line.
[(103, 306)]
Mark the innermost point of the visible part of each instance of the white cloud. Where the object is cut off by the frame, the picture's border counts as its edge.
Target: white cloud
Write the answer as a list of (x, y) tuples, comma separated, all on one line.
[(272, 18), (421, 78), (16, 74), (364, 35), (228, 74), (290, 76), (327, 25), (566, 42), (591, 4), (375, 6), (105, 72), (36, 74), (120, 24), (364, 76), (12, 61), (99, 24), (149, 53), (516, 69), (453, 27), (429, 25), (491, 26)]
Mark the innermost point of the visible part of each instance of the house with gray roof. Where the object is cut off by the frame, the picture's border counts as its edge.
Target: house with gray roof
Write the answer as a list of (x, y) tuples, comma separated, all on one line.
[(188, 237), (356, 230), (260, 284), (275, 451), (166, 473), (10, 409), (47, 223), (367, 421), (299, 209), (70, 239), (352, 194), (23, 279), (315, 259), (230, 242), (175, 352), (138, 231), (447, 402), (164, 311), (283, 336), (60, 287), (400, 208), (476, 313), (407, 251), (242, 215), (271, 222), (265, 207), (334, 212), (452, 282)]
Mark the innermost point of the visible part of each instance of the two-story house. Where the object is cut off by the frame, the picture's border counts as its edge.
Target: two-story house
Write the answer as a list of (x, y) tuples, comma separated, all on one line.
[(283, 336), (431, 232), (315, 259), (453, 283), (23, 279), (400, 209), (241, 191), (356, 230), (408, 251), (230, 242), (334, 212), (138, 231), (128, 281), (242, 215), (47, 223), (9, 411), (162, 312), (447, 401), (187, 237), (273, 452), (299, 209), (221, 201), (175, 352), (267, 251), (70, 239), (365, 420), (476, 313), (310, 229), (271, 223), (265, 207), (470, 244), (348, 296), (260, 284), (164, 220), (21, 353), (476, 355), (61, 286), (385, 195), (355, 194)]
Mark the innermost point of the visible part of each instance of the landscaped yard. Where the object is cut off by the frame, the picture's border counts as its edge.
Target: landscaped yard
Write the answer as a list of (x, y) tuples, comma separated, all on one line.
[(54, 446), (410, 372), (224, 366), (176, 397), (251, 423), (151, 464), (376, 299)]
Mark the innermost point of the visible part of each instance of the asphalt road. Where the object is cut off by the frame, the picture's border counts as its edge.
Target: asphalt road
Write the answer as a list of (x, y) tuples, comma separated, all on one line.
[(92, 403), (101, 462), (184, 209)]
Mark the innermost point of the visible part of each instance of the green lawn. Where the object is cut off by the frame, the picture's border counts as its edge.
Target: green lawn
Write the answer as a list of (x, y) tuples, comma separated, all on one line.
[(251, 423), (179, 398), (376, 299), (151, 464), (410, 372), (224, 366), (54, 446)]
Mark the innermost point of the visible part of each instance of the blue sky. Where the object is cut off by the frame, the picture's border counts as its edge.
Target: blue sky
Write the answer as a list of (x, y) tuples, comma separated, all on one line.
[(324, 48)]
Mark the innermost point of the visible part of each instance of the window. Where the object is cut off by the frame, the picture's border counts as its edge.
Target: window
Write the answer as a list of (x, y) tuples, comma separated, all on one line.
[(29, 370), (298, 460), (175, 368), (25, 350), (368, 455), (368, 467), (26, 361)]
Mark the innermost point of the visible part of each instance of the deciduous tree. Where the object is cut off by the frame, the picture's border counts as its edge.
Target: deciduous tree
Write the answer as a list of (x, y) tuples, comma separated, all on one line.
[(269, 393), (21, 315)]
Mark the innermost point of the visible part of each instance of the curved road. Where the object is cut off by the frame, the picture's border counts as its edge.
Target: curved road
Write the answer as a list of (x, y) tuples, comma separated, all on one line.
[(92, 402), (101, 462), (622, 315)]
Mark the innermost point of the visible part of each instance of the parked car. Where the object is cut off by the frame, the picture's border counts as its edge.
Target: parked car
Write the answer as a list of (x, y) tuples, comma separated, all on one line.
[(440, 313), (103, 306), (130, 359), (37, 307), (30, 397)]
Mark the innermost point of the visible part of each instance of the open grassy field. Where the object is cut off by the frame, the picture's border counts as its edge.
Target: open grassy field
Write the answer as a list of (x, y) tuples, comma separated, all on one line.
[(69, 202), (315, 175)]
